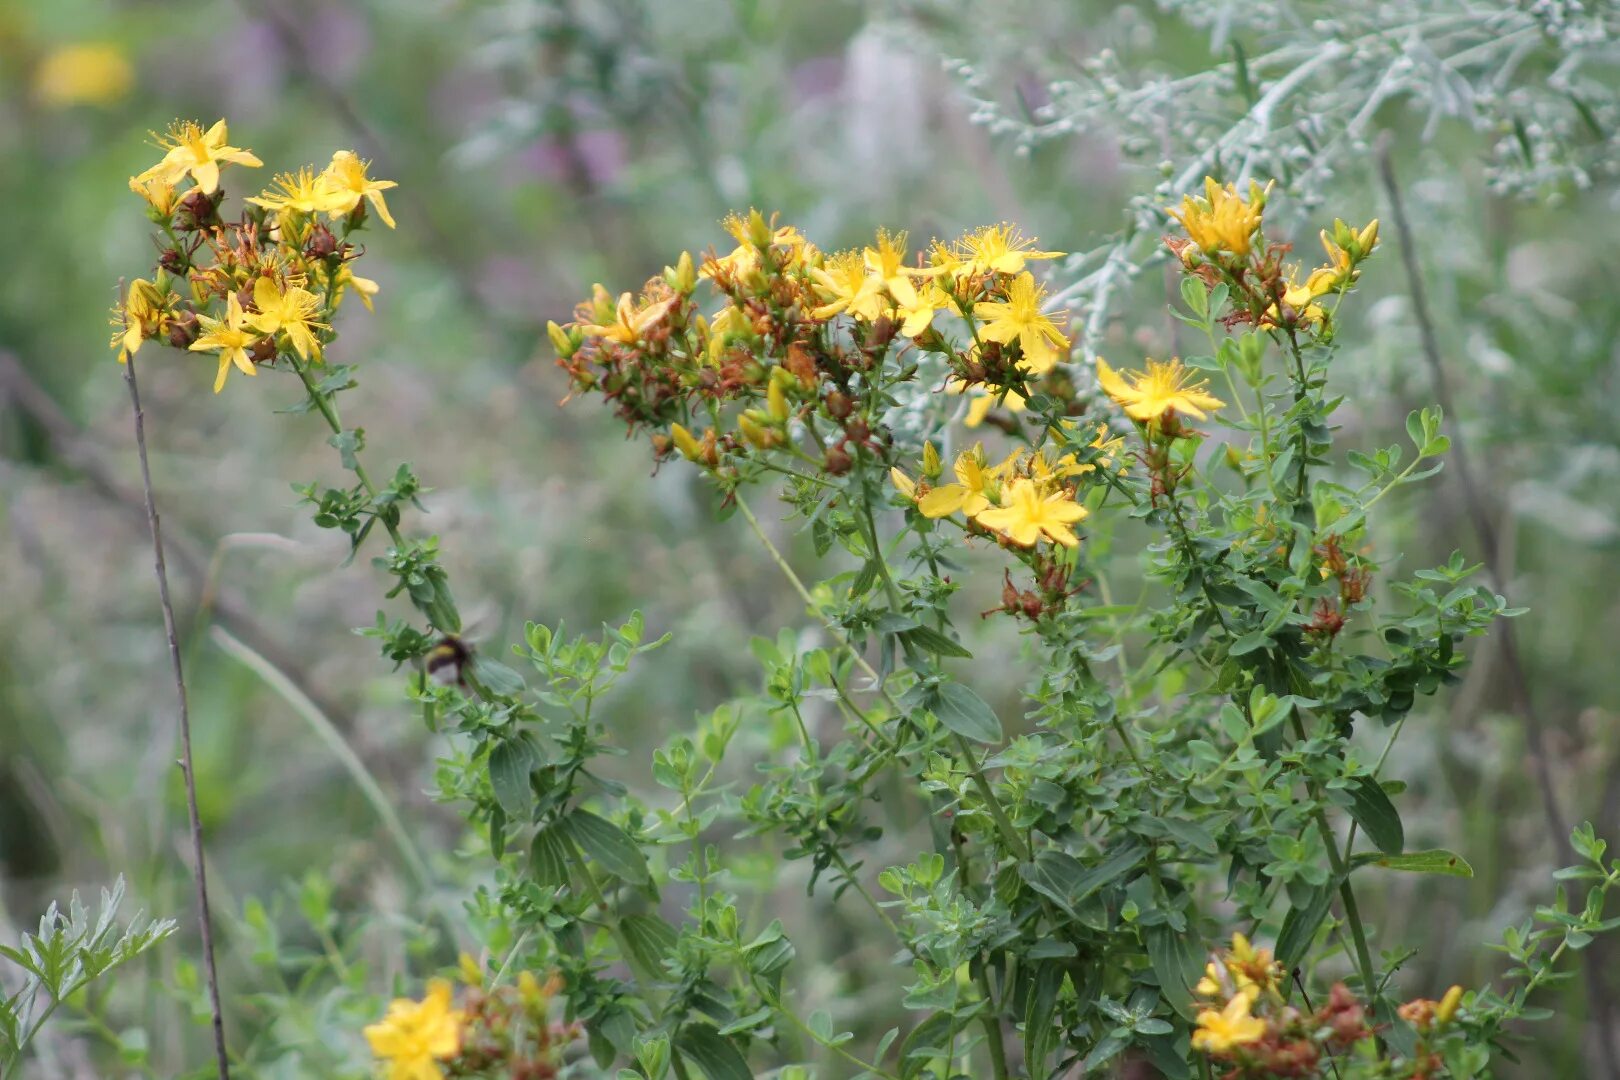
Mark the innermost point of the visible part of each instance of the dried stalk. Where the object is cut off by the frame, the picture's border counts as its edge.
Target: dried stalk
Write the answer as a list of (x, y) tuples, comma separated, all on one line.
[(200, 873)]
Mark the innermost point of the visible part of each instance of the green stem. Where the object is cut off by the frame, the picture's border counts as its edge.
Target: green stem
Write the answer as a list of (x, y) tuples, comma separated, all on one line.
[(1352, 913), (991, 1022)]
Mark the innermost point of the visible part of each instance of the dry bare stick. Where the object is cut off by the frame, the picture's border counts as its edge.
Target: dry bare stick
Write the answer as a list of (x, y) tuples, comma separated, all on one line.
[(204, 920), (1485, 528)]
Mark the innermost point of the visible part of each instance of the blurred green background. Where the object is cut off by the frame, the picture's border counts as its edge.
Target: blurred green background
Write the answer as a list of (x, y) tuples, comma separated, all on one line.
[(542, 146)]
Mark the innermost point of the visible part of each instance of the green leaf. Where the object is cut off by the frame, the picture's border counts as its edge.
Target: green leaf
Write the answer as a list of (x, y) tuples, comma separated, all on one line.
[(608, 845), (926, 637), (715, 1054), (1248, 643), (1300, 925), (1124, 858), (966, 713), (1178, 960), (510, 764), (1373, 811), (1433, 861), (549, 854), (650, 940)]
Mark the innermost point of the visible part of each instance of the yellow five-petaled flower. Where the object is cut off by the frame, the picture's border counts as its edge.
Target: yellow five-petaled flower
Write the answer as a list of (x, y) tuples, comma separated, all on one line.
[(1019, 318), (190, 149), (413, 1037), (230, 337), (1027, 514), (346, 183), (1222, 220), (1164, 387), (1218, 1032), (291, 311)]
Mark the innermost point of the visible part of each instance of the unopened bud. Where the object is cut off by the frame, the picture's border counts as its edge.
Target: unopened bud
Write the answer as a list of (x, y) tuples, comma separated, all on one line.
[(1453, 997), (776, 402), (562, 341), (681, 277), (183, 330), (882, 332), (322, 244), (931, 465), (684, 442), (752, 426), (759, 230)]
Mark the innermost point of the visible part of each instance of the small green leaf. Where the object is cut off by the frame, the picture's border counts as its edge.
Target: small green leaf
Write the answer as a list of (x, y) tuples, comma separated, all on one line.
[(1433, 861), (510, 764), (1300, 925), (966, 713), (608, 845), (549, 855), (926, 637), (715, 1054), (1373, 811)]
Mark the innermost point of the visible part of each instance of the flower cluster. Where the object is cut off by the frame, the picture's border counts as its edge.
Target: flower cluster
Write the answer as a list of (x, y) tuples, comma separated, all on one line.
[(1225, 245), (802, 334), (1251, 1027), (1030, 496), (257, 289), (498, 1031)]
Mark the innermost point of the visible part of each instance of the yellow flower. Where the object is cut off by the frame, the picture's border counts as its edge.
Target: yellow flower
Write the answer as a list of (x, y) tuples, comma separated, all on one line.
[(918, 314), (981, 401), (887, 262), (1026, 514), (346, 184), (1222, 220), (230, 337), (141, 316), (83, 74), (629, 324), (413, 1037), (1163, 387), (1019, 318), (158, 192), (291, 311), (303, 192), (1001, 249), (346, 279), (970, 494), (200, 153), (847, 287), (1219, 1032)]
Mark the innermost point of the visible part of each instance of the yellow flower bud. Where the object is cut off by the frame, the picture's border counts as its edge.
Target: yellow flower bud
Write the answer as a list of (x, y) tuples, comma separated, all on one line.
[(759, 230), (1367, 239), (471, 973), (561, 341), (682, 277), (903, 483), (776, 402), (685, 443), (1453, 997), (931, 465), (754, 431)]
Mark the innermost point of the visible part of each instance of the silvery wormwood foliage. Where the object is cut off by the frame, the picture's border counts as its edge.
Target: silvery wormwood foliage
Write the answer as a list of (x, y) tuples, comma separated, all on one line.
[(1298, 93)]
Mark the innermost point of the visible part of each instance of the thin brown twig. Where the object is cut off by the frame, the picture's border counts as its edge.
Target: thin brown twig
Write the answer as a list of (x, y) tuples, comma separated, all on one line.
[(200, 872), (1485, 528)]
